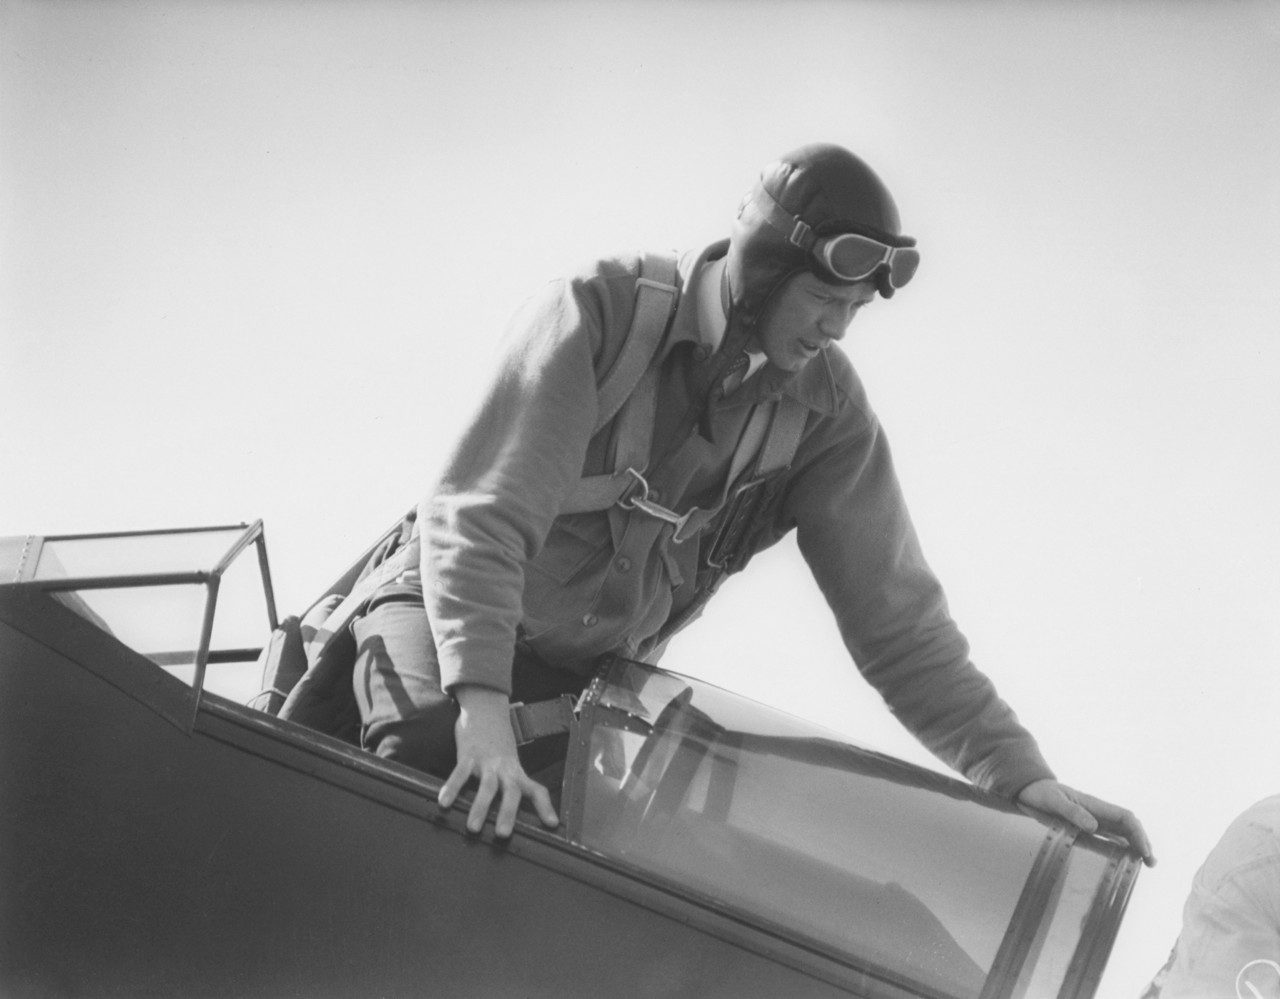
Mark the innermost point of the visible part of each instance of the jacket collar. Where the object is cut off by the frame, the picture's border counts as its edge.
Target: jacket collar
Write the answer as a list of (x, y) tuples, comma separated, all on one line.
[(814, 385)]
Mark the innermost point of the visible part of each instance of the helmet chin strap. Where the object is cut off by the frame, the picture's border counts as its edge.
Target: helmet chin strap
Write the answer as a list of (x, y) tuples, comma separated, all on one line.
[(740, 334)]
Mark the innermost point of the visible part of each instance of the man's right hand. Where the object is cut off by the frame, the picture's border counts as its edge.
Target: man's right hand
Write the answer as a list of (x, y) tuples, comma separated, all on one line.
[(487, 751)]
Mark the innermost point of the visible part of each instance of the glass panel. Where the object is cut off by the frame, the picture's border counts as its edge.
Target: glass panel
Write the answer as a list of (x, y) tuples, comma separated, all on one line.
[(164, 622), (241, 621), (135, 554), (889, 865), (148, 619), (1060, 932), (238, 681)]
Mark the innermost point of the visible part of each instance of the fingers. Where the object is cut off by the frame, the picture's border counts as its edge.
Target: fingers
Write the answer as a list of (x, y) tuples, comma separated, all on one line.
[(1121, 822), (542, 805), (483, 799), (1089, 814), (1077, 814), (510, 788), (1056, 799), (506, 820), (453, 786)]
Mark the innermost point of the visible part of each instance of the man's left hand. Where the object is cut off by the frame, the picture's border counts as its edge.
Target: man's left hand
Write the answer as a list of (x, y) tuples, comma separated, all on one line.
[(1087, 813)]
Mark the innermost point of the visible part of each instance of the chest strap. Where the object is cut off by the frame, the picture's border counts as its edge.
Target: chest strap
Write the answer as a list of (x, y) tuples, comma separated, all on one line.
[(771, 435)]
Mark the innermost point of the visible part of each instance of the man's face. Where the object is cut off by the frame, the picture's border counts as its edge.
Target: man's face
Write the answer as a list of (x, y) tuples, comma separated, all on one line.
[(806, 317)]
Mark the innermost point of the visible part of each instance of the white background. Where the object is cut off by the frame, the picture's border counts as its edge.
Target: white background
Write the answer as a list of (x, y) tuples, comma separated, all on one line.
[(255, 257)]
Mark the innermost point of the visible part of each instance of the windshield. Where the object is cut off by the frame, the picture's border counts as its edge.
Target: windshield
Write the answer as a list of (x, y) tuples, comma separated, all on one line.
[(913, 875), (157, 591)]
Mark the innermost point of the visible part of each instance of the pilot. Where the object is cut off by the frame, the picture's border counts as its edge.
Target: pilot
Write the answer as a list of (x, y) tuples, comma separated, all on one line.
[(522, 585)]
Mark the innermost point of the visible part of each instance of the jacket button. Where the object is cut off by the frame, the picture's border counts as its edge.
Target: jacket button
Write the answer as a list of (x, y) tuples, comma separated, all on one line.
[(588, 620), (701, 353), (623, 563)]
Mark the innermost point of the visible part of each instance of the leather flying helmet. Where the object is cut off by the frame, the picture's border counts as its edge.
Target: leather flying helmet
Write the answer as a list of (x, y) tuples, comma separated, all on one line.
[(790, 217)]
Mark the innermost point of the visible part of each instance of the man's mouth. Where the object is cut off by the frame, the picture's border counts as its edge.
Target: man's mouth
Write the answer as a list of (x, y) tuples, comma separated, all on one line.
[(810, 347)]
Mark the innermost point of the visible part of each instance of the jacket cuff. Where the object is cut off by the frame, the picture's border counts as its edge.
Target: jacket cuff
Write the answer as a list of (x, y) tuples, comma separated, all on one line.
[(485, 667), (1008, 776)]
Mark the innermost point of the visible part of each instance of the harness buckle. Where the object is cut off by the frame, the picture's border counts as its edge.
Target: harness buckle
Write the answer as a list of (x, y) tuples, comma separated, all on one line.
[(637, 498)]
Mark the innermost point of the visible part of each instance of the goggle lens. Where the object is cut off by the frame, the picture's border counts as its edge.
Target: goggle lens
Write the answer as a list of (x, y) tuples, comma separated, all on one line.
[(851, 257)]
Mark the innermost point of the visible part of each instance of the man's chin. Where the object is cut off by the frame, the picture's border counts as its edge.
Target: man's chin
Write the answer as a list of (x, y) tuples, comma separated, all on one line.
[(798, 361)]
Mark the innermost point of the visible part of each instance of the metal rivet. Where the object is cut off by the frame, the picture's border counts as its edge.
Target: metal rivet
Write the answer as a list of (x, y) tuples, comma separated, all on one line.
[(589, 619)]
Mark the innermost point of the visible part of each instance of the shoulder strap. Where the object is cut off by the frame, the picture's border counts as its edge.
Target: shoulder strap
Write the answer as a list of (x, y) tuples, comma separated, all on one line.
[(656, 296), (631, 388), (784, 437)]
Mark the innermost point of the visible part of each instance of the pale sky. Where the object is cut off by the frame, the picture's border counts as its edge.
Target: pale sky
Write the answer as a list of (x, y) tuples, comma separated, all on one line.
[(255, 259)]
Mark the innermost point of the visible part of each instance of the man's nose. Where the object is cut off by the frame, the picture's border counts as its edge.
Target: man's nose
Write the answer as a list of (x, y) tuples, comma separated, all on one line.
[(835, 323)]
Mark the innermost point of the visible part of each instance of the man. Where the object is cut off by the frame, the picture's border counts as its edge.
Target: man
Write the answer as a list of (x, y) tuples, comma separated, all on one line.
[(523, 587), (1230, 939)]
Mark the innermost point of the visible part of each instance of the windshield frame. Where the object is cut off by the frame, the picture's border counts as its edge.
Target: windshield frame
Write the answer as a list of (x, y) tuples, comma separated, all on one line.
[(27, 574), (1018, 951)]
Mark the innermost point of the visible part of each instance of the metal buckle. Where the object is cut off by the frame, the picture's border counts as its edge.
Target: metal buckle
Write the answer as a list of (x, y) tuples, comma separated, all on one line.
[(625, 501), (728, 536), (630, 501), (800, 235)]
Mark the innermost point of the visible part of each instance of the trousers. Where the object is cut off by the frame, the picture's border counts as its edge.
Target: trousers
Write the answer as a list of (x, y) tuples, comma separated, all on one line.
[(405, 715)]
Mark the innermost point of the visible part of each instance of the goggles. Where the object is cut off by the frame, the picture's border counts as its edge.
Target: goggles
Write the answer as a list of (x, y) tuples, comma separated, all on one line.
[(851, 257), (847, 256)]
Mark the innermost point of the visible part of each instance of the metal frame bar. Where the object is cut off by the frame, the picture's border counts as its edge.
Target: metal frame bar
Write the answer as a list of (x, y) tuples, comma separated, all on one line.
[(576, 763), (211, 579), (102, 535), (1029, 912), (202, 652), (119, 582), (29, 559), (1102, 924), (251, 532), (268, 591), (181, 657)]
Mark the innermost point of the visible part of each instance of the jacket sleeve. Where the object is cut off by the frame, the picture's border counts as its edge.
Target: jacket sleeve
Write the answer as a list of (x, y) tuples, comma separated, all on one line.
[(501, 487), (854, 531)]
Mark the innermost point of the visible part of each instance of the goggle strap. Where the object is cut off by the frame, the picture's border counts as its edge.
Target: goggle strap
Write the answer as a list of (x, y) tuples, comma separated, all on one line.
[(798, 232)]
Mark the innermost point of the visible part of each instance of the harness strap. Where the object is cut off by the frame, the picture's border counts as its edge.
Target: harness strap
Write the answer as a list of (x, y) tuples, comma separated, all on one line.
[(724, 553), (542, 718), (656, 296), (631, 388), (771, 436), (405, 559), (772, 432), (784, 437), (692, 522), (528, 721), (631, 450)]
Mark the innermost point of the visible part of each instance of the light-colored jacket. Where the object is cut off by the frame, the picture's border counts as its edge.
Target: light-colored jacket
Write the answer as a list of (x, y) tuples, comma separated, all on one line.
[(497, 556), (1230, 940)]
